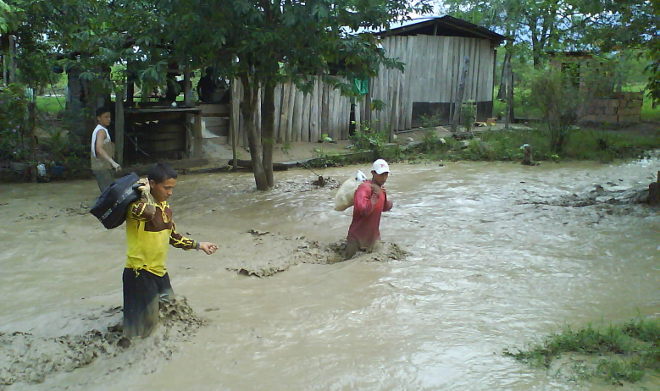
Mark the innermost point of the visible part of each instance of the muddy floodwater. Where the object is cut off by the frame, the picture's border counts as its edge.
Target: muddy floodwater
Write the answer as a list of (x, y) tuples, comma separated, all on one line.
[(477, 258)]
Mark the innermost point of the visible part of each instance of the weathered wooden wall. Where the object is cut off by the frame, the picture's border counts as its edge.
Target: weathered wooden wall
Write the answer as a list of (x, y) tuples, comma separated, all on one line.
[(433, 65), (299, 116)]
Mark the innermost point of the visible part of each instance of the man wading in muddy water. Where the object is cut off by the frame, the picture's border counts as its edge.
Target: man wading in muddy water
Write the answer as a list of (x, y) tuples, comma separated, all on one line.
[(369, 201), (149, 231)]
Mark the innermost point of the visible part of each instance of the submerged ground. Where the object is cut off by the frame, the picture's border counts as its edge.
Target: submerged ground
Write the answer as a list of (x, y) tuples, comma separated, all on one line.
[(478, 257)]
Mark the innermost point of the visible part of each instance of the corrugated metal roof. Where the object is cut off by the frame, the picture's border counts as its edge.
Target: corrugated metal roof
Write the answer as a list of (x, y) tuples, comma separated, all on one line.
[(443, 25)]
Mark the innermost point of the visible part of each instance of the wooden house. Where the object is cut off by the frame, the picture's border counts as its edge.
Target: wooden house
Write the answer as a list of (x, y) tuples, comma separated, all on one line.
[(434, 52)]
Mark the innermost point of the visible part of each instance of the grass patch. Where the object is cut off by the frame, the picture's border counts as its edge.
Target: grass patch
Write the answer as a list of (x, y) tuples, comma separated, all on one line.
[(615, 353), (603, 145), (50, 104)]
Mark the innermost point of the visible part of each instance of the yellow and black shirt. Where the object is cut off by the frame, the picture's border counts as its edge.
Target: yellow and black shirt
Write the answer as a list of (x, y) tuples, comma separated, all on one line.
[(149, 230)]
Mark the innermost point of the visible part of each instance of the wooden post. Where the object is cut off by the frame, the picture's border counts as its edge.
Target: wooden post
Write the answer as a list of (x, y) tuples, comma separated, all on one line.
[(654, 191), (197, 134), (187, 87), (119, 126), (234, 121), (325, 110), (509, 97), (367, 106), (459, 96), (31, 139)]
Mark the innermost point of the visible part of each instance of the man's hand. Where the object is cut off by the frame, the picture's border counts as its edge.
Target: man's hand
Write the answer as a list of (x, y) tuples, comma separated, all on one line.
[(116, 166), (144, 185), (208, 248)]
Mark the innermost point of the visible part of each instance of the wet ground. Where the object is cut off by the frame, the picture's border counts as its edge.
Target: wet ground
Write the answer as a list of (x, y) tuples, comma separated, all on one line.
[(477, 258)]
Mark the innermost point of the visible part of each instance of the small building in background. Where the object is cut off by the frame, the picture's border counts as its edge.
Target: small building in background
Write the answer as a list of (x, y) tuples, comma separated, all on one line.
[(435, 51), (602, 100)]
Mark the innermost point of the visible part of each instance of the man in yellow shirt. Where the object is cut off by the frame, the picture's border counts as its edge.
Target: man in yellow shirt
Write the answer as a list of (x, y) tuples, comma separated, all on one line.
[(150, 231)]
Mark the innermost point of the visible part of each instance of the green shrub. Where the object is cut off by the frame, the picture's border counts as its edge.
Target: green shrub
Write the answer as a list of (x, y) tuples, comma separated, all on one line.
[(430, 120), (367, 139), (468, 115), (14, 123), (557, 99), (590, 144), (50, 104)]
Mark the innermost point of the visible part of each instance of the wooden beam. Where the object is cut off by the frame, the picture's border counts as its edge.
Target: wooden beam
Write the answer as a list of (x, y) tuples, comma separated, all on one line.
[(459, 96), (197, 134), (119, 126)]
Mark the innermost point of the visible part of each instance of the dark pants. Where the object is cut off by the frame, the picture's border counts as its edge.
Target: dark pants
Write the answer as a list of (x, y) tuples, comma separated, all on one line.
[(104, 178), (142, 292)]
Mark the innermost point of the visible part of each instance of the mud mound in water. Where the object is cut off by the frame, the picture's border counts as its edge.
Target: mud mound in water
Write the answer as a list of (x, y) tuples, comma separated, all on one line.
[(306, 184), (30, 358), (272, 253), (612, 195)]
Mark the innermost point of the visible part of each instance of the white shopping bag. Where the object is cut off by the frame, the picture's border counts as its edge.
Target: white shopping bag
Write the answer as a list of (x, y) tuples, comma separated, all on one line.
[(345, 193)]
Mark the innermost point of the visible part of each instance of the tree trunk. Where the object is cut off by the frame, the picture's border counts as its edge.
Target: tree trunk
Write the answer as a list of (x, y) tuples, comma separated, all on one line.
[(11, 68), (536, 50), (31, 140), (235, 120), (248, 106), (267, 131), (501, 93), (75, 102)]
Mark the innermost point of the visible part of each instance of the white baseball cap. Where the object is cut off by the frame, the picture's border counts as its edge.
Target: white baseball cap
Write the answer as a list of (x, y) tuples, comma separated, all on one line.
[(380, 166)]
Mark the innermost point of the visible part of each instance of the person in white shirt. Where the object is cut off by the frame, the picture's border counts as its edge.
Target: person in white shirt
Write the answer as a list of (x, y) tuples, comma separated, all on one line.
[(103, 151)]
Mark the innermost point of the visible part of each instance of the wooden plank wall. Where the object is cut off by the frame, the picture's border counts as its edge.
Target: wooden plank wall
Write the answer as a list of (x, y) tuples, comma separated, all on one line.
[(299, 116), (431, 75), (433, 66)]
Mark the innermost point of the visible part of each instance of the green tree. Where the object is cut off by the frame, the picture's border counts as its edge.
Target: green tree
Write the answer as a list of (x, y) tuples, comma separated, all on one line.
[(293, 39), (260, 42), (593, 25), (5, 17)]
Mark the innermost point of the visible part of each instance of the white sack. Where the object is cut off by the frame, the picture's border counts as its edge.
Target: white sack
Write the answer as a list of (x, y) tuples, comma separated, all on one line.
[(345, 193)]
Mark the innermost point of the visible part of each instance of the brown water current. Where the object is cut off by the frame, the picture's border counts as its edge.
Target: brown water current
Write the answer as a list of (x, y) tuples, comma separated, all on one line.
[(477, 258)]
